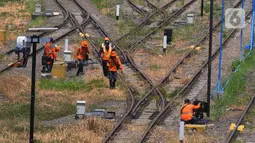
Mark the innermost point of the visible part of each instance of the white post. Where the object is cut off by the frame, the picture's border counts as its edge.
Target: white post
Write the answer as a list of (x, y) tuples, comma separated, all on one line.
[(190, 18), (67, 53), (81, 108), (38, 8), (164, 43), (181, 131), (117, 12), (66, 45)]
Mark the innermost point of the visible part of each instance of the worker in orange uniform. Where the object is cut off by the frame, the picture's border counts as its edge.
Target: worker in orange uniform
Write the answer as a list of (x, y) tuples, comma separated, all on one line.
[(105, 53), (49, 56), (81, 55), (187, 112), (113, 65)]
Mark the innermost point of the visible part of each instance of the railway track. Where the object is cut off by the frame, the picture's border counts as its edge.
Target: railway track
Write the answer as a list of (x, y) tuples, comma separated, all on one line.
[(65, 20), (233, 134), (50, 34), (136, 8), (147, 18), (144, 99), (172, 104)]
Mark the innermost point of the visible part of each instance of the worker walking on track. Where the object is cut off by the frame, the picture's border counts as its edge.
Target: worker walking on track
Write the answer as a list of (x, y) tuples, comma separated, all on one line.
[(82, 55), (113, 65), (49, 56), (105, 53), (187, 112)]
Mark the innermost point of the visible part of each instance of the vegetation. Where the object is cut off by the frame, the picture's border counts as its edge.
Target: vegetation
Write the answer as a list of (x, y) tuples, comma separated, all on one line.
[(71, 85), (154, 67), (233, 92), (37, 22)]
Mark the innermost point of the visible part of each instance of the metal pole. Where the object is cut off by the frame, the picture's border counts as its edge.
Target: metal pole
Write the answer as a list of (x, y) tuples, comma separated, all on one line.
[(252, 24), (32, 111), (202, 8), (209, 58), (220, 56), (241, 34)]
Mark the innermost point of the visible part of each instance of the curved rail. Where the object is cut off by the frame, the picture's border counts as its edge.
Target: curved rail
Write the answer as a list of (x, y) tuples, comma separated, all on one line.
[(147, 18), (66, 17), (144, 98), (232, 134), (172, 103), (130, 107)]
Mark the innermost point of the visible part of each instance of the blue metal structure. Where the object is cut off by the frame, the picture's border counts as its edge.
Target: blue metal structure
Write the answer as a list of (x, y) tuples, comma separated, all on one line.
[(221, 40), (218, 89)]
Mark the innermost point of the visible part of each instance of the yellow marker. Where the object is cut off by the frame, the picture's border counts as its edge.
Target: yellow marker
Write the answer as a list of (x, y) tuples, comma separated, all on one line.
[(10, 64), (232, 127), (192, 47), (81, 34), (197, 48), (87, 35), (240, 128)]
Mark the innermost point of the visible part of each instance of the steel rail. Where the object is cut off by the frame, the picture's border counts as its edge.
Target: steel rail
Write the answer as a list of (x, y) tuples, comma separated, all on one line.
[(171, 71), (146, 19), (136, 43), (172, 104), (233, 133), (130, 90), (134, 65), (152, 6), (66, 17), (55, 40), (136, 8)]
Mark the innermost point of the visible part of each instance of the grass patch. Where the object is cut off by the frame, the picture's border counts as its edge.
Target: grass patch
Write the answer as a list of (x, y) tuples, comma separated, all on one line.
[(2, 2), (30, 5), (235, 64), (71, 85), (234, 88), (14, 111), (37, 22), (154, 67)]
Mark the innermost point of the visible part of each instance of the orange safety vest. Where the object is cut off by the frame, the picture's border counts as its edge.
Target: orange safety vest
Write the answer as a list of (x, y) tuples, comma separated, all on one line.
[(106, 54), (50, 50), (112, 64), (187, 111), (81, 53)]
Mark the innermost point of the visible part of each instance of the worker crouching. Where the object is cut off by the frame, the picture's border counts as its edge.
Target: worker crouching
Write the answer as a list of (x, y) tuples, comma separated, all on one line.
[(82, 56), (187, 112), (113, 65)]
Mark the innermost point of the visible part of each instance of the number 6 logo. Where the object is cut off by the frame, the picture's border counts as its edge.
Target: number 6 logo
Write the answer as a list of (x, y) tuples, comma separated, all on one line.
[(235, 18)]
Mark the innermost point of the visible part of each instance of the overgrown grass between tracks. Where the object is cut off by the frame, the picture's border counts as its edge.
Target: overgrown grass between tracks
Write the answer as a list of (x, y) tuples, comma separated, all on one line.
[(233, 92)]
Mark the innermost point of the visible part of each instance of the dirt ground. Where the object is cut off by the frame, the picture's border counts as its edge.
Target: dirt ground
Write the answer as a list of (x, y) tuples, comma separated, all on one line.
[(52, 104)]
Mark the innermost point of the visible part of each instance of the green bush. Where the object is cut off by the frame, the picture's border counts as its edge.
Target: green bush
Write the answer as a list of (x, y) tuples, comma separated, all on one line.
[(236, 86)]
